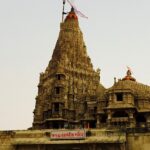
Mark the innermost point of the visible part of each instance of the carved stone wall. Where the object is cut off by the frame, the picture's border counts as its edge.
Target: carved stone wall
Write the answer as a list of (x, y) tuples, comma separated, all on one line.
[(68, 82), (70, 93)]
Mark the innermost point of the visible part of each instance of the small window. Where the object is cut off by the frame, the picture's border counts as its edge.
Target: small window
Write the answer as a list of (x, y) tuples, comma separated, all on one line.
[(119, 96), (56, 107), (57, 90), (58, 76), (95, 109)]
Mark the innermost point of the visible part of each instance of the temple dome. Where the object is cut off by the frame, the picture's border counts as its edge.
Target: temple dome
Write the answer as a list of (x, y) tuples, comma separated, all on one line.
[(138, 89), (129, 76)]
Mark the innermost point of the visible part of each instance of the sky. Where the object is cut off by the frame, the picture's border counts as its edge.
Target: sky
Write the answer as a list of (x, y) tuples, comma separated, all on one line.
[(116, 33)]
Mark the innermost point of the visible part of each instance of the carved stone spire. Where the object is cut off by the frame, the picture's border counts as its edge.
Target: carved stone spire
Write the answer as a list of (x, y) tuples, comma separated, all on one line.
[(68, 80)]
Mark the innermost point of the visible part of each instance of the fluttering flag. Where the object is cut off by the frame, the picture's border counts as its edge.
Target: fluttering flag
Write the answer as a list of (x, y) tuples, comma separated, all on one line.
[(129, 69), (76, 10)]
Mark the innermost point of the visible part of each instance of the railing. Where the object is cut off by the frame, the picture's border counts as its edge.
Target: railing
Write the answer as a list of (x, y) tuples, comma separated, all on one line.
[(56, 115), (120, 119)]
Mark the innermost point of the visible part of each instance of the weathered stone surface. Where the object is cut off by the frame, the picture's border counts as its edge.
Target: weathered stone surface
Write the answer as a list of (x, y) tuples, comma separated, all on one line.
[(98, 140), (138, 141), (70, 97), (70, 94), (70, 88)]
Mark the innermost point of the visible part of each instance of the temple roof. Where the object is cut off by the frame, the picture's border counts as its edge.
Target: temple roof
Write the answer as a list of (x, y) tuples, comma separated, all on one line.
[(138, 89), (129, 83), (129, 76)]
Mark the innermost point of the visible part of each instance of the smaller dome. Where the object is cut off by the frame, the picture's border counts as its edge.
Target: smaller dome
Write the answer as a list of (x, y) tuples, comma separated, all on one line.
[(71, 15), (129, 76)]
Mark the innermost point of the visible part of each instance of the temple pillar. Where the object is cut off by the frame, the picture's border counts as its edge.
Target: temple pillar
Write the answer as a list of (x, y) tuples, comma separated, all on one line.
[(109, 118), (148, 120), (98, 121), (132, 122), (85, 124), (123, 146), (88, 125), (92, 147)]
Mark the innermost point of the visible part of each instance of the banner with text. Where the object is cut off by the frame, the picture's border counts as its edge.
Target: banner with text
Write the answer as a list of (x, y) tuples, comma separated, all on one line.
[(68, 134)]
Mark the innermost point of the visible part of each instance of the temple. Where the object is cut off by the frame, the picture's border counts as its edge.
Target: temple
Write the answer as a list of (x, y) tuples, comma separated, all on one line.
[(70, 88), (128, 103), (74, 111), (70, 94)]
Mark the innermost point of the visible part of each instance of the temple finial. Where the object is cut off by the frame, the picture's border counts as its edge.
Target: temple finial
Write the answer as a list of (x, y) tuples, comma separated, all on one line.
[(129, 75), (72, 9)]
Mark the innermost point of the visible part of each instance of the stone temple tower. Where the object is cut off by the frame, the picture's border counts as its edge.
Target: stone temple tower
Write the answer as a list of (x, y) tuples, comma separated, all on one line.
[(69, 89)]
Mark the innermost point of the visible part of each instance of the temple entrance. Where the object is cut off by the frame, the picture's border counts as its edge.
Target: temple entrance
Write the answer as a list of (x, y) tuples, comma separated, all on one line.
[(66, 147), (53, 124), (89, 124), (57, 125), (91, 146), (103, 120), (92, 124), (74, 148)]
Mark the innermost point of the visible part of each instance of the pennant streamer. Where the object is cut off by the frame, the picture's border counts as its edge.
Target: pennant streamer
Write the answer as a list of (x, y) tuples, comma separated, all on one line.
[(76, 10)]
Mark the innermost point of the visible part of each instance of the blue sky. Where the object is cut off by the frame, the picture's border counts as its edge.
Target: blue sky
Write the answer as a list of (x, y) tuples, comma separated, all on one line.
[(116, 33)]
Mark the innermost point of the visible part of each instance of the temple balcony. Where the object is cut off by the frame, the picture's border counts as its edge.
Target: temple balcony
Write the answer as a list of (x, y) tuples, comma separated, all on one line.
[(120, 119)]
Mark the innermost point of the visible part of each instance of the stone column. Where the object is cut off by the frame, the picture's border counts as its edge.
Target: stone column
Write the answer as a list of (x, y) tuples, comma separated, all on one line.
[(123, 146), (131, 119), (109, 118), (85, 124), (148, 120), (92, 147), (38, 146), (98, 121)]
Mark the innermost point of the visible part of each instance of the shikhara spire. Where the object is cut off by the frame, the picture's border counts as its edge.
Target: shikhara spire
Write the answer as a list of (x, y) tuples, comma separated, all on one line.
[(68, 82), (86, 115)]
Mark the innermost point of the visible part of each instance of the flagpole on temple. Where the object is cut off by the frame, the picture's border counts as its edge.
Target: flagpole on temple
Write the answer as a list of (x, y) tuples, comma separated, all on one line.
[(64, 1)]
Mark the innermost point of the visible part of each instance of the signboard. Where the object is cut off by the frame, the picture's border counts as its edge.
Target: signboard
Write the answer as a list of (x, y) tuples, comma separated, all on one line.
[(67, 134)]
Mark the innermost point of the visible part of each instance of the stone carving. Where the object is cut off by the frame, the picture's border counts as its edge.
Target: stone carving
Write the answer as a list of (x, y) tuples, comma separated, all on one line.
[(70, 94)]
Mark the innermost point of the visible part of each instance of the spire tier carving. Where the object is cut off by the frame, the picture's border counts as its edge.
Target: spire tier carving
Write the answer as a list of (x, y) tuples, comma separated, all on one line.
[(68, 81)]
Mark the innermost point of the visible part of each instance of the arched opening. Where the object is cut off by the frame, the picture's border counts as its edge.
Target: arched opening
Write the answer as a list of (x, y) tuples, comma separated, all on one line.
[(92, 124), (119, 96), (57, 90), (140, 120), (60, 76), (104, 119)]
